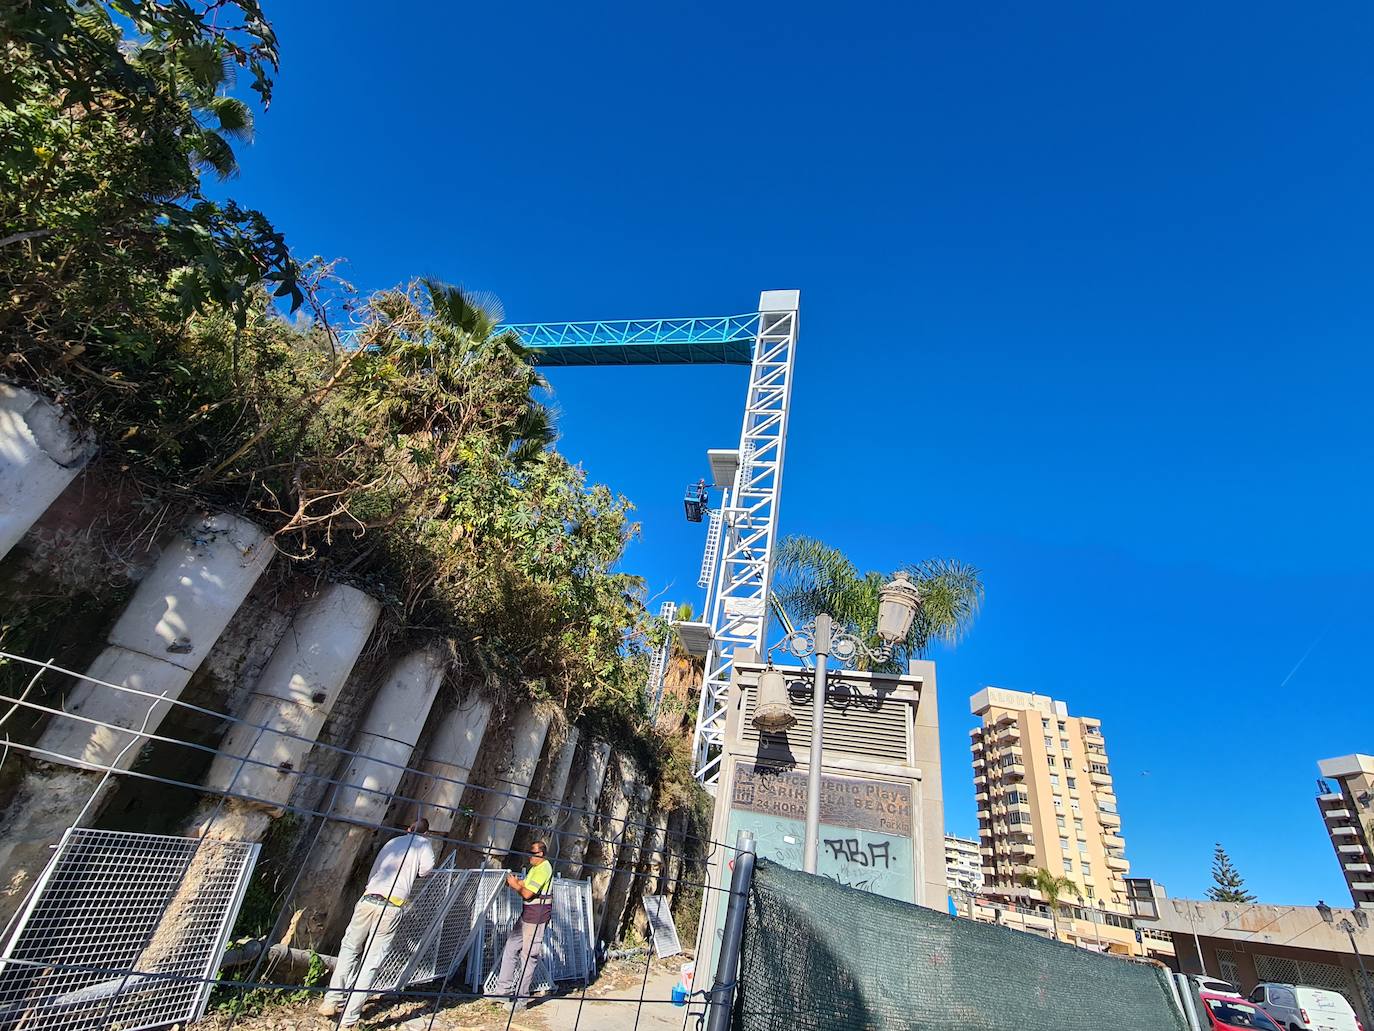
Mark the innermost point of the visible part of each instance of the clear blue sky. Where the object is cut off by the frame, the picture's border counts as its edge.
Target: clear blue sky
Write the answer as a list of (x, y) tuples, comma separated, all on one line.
[(1085, 301)]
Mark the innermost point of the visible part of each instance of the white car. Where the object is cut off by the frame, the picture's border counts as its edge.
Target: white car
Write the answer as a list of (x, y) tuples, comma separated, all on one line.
[(1300, 1008), (1214, 985)]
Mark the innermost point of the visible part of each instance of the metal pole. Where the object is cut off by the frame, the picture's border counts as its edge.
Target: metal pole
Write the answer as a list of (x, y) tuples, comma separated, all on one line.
[(1350, 931), (811, 847), (720, 1000)]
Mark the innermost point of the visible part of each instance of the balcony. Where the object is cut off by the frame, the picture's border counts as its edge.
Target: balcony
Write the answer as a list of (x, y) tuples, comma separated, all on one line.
[(1334, 796), (1109, 819), (981, 797), (1350, 850), (1022, 850), (1100, 779), (1336, 814), (1006, 717), (1358, 868), (1011, 733), (1362, 885), (1014, 771), (979, 779), (1112, 840), (1118, 863), (984, 813), (985, 850), (1344, 832)]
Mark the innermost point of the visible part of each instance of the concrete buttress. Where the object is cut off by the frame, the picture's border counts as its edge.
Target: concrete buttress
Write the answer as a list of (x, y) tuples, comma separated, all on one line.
[(40, 453), (580, 800), (294, 696), (499, 809), (384, 745), (164, 633), (449, 759)]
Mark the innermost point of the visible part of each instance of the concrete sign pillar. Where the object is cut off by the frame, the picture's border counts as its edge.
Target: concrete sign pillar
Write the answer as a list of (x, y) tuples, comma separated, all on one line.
[(574, 827), (294, 696), (40, 453), (501, 807), (164, 633), (384, 745), (449, 758)]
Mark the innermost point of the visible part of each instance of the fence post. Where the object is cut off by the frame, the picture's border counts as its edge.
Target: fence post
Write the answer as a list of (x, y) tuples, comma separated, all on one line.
[(720, 1000), (1184, 988)]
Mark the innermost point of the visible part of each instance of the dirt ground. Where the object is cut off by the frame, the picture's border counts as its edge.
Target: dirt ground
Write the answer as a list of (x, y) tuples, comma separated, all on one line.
[(612, 1003)]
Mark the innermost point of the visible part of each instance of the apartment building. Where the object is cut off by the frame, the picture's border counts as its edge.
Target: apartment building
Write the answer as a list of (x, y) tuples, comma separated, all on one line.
[(1345, 798), (963, 867), (1045, 801)]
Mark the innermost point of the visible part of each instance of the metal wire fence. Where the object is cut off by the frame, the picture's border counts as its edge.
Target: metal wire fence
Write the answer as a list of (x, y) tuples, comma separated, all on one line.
[(456, 914)]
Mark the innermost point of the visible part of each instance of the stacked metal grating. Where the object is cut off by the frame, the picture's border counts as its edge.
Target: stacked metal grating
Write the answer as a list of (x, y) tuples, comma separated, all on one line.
[(822, 956), (437, 927), (569, 952), (123, 931)]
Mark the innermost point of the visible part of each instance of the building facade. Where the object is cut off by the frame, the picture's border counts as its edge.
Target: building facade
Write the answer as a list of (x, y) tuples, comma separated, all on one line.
[(963, 867), (1045, 800), (1346, 802)]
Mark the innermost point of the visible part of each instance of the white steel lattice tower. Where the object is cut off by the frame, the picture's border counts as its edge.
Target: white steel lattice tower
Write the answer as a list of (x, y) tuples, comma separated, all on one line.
[(739, 602)]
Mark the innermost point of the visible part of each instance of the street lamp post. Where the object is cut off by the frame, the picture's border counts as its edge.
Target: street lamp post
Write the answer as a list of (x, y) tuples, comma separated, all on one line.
[(897, 604), (1349, 929)]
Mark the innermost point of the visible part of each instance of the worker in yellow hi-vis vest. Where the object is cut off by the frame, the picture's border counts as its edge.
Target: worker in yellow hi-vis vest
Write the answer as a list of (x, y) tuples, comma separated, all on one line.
[(525, 943)]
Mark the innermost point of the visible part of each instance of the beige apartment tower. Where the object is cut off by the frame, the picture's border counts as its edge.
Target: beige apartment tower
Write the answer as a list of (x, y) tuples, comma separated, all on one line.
[(1045, 801), (1346, 801)]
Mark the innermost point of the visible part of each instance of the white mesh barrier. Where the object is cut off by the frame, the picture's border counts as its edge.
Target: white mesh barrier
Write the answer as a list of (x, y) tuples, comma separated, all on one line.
[(437, 926), (123, 931), (568, 952)]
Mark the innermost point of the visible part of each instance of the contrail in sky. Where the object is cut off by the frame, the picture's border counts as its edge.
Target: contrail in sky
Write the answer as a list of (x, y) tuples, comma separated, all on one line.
[(1304, 656)]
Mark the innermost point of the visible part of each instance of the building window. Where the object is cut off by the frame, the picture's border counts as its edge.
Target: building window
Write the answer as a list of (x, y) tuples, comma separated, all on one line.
[(1060, 820), (1064, 743), (1049, 741), (1068, 759), (1087, 887), (1077, 820), (1073, 804), (1073, 781), (1064, 844), (1050, 758), (1058, 802), (1054, 779), (1082, 845), (1063, 726), (1068, 866)]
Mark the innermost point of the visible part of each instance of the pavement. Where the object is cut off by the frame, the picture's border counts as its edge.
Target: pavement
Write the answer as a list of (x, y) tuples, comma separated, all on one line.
[(612, 1003)]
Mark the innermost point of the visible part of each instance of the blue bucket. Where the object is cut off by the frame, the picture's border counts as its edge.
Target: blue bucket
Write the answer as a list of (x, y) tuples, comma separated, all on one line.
[(679, 995)]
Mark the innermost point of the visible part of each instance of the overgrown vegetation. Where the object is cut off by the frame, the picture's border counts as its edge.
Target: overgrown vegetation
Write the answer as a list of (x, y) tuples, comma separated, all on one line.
[(411, 456)]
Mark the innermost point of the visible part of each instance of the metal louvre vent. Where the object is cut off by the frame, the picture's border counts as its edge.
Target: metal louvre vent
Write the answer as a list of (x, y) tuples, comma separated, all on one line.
[(123, 930), (437, 926), (860, 725), (662, 929)]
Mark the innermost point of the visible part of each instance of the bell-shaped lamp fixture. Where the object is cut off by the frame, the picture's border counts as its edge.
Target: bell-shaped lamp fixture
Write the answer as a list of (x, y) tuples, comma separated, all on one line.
[(897, 605), (773, 709)]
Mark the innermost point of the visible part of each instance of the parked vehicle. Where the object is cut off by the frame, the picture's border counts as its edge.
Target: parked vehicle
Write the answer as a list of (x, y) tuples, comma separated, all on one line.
[(1299, 1008), (1227, 1012), (1215, 985)]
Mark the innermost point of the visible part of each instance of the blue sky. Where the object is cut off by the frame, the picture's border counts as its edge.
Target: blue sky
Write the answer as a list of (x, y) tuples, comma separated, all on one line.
[(1085, 301)]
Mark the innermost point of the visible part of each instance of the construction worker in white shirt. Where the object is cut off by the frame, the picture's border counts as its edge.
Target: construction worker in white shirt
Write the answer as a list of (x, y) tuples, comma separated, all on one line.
[(401, 862)]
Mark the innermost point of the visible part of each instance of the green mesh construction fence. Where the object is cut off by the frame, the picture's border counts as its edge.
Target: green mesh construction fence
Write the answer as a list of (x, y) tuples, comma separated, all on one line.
[(818, 955)]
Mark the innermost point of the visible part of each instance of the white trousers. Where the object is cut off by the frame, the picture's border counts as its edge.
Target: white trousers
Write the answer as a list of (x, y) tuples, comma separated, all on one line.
[(364, 945)]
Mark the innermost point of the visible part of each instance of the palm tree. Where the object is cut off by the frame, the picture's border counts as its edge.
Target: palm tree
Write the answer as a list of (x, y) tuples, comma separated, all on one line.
[(1051, 888), (811, 577)]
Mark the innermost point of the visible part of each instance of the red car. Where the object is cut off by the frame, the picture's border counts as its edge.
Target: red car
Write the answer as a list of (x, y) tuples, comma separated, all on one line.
[(1227, 1013)]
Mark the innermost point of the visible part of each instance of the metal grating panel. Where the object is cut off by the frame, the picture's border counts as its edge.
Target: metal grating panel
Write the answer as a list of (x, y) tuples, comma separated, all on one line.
[(858, 725), (710, 550), (437, 926), (1301, 971), (661, 926), (568, 952), (123, 931)]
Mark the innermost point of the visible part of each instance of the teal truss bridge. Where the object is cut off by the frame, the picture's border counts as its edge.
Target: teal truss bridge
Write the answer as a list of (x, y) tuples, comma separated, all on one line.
[(727, 340), (741, 532)]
